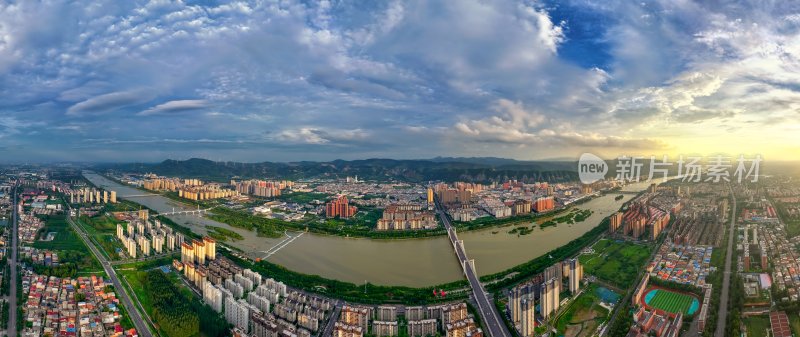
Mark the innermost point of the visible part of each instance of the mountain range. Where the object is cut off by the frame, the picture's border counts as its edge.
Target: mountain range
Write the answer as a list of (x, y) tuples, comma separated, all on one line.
[(478, 169)]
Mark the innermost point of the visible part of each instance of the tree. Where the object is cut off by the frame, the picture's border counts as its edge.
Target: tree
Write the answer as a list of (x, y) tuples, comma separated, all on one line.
[(171, 309)]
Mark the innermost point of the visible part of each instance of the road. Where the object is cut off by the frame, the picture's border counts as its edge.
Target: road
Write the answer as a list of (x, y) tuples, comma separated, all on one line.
[(629, 293), (136, 316), (328, 330), (493, 322), (722, 316), (12, 262)]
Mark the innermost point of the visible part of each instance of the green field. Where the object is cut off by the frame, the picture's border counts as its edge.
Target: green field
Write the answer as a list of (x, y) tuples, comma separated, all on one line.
[(122, 206), (615, 262), (583, 315), (794, 322), (303, 197), (74, 256), (100, 224), (101, 230), (757, 326), (671, 301), (792, 223), (65, 238)]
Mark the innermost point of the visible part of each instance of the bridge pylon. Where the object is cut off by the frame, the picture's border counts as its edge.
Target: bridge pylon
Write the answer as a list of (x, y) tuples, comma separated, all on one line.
[(471, 263)]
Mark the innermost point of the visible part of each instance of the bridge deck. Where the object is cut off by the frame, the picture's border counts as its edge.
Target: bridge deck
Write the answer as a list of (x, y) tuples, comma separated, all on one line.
[(491, 317)]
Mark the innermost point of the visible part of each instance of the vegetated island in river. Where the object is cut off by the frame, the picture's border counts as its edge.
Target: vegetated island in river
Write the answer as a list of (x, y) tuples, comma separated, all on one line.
[(223, 234), (575, 215)]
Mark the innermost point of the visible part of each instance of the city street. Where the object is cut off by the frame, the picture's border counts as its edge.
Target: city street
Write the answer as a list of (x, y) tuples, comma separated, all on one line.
[(722, 318), (136, 317), (12, 262)]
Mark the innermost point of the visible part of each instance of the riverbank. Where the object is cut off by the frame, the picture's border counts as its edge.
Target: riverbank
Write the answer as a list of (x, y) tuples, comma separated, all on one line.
[(267, 227), (274, 228), (521, 272), (415, 263)]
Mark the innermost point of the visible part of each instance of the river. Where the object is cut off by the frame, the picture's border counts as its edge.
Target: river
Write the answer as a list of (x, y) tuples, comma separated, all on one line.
[(409, 262)]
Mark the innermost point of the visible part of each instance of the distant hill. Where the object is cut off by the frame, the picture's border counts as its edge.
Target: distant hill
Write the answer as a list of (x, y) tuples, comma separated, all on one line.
[(477, 169), (445, 169)]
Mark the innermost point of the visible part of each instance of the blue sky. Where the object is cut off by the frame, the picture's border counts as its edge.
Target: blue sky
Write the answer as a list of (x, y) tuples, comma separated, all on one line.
[(318, 80)]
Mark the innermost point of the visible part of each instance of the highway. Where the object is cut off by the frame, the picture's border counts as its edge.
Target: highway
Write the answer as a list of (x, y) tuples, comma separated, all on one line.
[(492, 320), (722, 316), (136, 317), (12, 262)]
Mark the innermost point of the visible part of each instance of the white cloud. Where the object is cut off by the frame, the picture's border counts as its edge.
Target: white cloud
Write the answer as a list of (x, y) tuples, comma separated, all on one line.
[(426, 74), (175, 106), (319, 136), (109, 102)]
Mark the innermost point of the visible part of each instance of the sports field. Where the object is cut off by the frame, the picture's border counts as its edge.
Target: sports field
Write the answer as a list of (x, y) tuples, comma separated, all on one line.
[(672, 302)]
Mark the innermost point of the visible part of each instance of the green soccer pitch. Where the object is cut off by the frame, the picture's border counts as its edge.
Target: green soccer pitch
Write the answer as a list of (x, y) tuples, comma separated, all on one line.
[(670, 301)]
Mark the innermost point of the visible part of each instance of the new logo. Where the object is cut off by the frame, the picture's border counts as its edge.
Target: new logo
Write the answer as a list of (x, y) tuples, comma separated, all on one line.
[(591, 168)]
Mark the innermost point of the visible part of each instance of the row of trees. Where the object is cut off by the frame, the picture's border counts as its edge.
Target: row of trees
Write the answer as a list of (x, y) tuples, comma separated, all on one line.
[(735, 306), (211, 323), (180, 315), (5, 286), (4, 316), (623, 322), (171, 310), (376, 294)]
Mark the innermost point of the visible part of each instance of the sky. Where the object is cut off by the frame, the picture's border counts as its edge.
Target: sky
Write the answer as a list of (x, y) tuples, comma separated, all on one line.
[(286, 80)]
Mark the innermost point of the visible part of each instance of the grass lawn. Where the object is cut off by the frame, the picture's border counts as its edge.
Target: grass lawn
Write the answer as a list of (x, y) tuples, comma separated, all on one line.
[(100, 224), (303, 197), (149, 264), (583, 315), (793, 228), (125, 319), (757, 326), (794, 322), (109, 244), (616, 262), (135, 286), (122, 206), (671, 301), (792, 223), (65, 238), (135, 279), (602, 245), (102, 230), (75, 258)]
